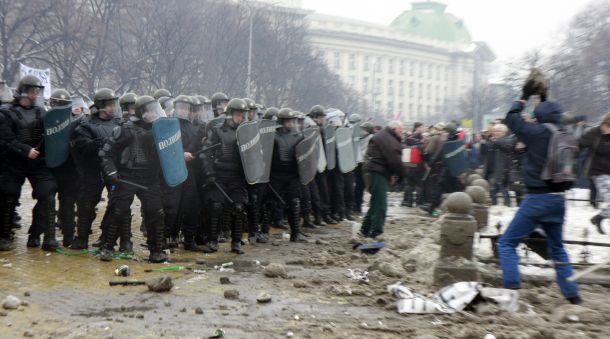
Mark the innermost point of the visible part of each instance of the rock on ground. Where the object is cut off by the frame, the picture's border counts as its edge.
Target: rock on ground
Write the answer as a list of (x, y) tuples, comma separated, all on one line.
[(274, 270), (11, 302), (161, 284)]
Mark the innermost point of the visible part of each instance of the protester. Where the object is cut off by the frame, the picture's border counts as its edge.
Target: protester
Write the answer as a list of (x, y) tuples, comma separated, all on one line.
[(382, 160), (498, 151), (597, 165)]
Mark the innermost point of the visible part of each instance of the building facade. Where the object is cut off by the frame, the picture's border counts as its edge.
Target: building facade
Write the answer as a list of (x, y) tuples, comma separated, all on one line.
[(418, 68)]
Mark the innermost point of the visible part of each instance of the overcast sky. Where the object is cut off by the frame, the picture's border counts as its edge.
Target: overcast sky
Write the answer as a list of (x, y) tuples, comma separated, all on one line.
[(510, 27)]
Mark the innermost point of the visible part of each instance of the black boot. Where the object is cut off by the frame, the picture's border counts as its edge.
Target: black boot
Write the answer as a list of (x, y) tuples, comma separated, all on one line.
[(329, 220), (155, 237), (125, 244), (307, 221), (212, 236), (86, 214), (50, 242), (263, 236), (117, 218), (317, 219), (236, 231), (294, 216), (191, 245), (225, 230), (66, 216), (7, 210), (253, 219)]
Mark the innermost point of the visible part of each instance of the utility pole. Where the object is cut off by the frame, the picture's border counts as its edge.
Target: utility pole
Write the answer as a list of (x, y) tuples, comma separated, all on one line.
[(249, 75)]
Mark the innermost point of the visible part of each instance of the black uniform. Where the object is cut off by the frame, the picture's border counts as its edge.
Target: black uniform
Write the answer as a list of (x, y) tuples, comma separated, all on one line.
[(223, 168), (285, 175), (22, 129), (87, 140), (130, 153)]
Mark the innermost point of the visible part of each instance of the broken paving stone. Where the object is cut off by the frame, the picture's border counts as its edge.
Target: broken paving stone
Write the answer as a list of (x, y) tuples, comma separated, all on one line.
[(300, 284), (26, 294), (275, 270), (167, 304), (24, 303), (225, 280), (161, 284), (11, 302), (263, 298), (28, 334), (577, 313), (198, 310), (231, 294), (3, 314), (295, 262)]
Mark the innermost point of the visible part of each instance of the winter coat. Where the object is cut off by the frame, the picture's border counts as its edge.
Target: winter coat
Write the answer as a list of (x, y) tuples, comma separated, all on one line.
[(598, 162), (536, 137), (498, 153), (384, 154)]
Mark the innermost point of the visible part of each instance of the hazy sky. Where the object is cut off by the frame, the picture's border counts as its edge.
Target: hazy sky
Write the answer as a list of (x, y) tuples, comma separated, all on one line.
[(510, 27)]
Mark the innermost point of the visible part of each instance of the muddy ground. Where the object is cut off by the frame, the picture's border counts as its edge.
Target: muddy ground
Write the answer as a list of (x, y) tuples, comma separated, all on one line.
[(69, 296)]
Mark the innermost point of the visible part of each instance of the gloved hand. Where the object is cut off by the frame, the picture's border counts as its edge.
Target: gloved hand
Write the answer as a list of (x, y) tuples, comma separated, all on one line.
[(113, 178)]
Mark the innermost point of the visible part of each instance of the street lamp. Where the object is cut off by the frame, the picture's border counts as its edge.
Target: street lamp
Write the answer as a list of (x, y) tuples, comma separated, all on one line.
[(249, 73)]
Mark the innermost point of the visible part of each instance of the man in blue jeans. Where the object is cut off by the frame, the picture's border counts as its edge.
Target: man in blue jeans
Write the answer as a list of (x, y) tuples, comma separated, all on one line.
[(544, 204)]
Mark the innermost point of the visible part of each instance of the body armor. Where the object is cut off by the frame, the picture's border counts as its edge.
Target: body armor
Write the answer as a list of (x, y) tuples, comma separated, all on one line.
[(141, 153), (285, 150), (28, 124), (227, 162)]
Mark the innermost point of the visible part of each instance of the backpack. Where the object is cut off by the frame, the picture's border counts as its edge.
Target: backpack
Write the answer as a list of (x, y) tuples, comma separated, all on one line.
[(562, 157)]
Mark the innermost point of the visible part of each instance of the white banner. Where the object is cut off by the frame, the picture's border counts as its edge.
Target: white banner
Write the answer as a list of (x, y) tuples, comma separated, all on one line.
[(43, 74)]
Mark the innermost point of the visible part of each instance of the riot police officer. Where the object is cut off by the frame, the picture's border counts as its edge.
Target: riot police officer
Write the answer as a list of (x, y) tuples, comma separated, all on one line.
[(349, 178), (162, 92), (226, 183), (133, 145), (21, 131), (284, 169), (219, 103), (128, 103), (318, 115), (87, 140), (66, 177)]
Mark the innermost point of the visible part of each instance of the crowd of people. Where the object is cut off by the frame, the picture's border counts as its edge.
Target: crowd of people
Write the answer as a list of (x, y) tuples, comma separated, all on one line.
[(112, 146)]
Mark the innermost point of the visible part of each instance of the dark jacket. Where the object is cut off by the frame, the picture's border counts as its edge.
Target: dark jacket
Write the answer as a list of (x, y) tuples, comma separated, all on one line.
[(498, 153), (384, 154), (598, 162), (536, 137)]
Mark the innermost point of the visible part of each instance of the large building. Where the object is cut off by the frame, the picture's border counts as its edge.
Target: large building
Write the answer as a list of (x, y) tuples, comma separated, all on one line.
[(419, 67)]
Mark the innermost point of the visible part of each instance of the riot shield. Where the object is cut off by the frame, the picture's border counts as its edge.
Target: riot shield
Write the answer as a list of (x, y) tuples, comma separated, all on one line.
[(454, 157), (308, 152), (364, 145), (356, 135), (58, 127), (250, 151), (321, 156), (330, 148), (219, 120), (168, 143), (267, 129), (345, 150)]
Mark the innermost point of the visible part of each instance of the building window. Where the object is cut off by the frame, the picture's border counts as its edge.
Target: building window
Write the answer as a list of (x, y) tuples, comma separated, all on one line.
[(365, 84), (378, 104), (378, 64), (337, 59), (420, 91), (437, 93), (411, 109), (429, 110), (401, 67), (365, 63), (351, 80), (421, 70), (401, 107), (412, 68), (390, 106), (401, 88), (430, 68), (390, 87), (391, 66), (377, 85), (438, 72), (429, 89), (446, 73), (419, 112), (411, 89), (352, 61)]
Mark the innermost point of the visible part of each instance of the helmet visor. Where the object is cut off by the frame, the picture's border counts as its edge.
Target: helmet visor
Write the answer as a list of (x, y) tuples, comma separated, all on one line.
[(182, 110), (152, 112)]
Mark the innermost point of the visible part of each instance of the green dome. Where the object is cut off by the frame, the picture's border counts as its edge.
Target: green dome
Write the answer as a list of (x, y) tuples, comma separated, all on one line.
[(428, 19)]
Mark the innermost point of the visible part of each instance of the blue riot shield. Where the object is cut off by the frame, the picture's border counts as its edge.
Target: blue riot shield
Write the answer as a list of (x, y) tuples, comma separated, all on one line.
[(58, 128), (168, 143), (454, 156)]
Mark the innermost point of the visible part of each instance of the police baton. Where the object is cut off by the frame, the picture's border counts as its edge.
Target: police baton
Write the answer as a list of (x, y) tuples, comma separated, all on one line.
[(277, 195), (205, 149), (223, 192), (131, 183)]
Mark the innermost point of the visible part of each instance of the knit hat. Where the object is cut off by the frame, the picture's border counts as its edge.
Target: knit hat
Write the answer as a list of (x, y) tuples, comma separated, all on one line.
[(416, 125)]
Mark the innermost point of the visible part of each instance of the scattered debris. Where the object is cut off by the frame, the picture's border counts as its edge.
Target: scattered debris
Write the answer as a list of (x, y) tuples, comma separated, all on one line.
[(161, 284), (122, 271), (198, 310), (358, 275), (263, 297), (225, 281), (11, 302), (219, 333), (275, 270), (231, 294)]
